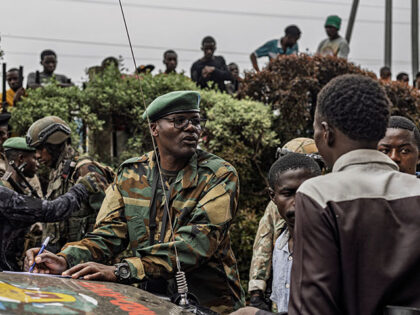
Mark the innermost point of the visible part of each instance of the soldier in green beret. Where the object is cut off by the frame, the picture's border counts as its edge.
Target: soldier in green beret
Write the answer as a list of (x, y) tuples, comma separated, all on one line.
[(202, 192)]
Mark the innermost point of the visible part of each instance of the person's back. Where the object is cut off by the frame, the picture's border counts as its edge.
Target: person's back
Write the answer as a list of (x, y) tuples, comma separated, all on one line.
[(357, 228)]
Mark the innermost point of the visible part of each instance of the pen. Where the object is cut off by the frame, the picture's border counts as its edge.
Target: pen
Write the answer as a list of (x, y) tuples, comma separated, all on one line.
[(44, 244)]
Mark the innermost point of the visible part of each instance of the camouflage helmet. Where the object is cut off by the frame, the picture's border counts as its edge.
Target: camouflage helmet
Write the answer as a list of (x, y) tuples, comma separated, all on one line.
[(50, 129), (301, 145)]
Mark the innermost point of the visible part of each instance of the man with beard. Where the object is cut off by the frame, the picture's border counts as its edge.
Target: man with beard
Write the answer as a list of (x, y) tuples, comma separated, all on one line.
[(201, 191)]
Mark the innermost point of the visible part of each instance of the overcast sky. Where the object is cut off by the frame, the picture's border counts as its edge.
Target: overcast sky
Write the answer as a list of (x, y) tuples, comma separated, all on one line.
[(83, 32)]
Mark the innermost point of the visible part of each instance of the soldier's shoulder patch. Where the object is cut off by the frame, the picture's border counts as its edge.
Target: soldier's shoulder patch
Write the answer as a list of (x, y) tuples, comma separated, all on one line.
[(137, 159), (216, 164)]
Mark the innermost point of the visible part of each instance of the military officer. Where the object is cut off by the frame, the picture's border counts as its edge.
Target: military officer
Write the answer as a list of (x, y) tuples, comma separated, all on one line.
[(51, 137), (202, 192), (270, 227)]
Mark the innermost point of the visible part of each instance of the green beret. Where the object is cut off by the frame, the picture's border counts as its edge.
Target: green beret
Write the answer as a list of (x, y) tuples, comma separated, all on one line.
[(17, 143), (173, 102), (333, 20)]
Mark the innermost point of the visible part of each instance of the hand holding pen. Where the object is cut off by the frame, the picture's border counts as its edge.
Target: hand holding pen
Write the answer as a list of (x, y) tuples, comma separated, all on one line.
[(39, 260)]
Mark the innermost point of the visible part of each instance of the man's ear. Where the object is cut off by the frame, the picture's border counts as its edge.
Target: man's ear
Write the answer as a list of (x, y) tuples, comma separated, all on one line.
[(154, 129), (21, 158), (271, 193), (328, 133)]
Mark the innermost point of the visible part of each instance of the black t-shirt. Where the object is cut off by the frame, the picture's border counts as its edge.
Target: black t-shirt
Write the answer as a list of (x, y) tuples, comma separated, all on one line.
[(220, 74)]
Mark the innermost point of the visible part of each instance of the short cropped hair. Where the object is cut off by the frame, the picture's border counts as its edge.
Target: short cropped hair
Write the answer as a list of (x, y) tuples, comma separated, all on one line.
[(48, 52), (292, 161), (417, 75), (357, 105), (292, 30), (401, 75), (170, 51), (400, 122), (208, 40), (13, 69)]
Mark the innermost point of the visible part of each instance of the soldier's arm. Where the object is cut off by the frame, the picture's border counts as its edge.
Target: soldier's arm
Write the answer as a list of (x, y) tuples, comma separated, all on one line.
[(21, 208), (95, 199), (198, 238), (109, 237), (260, 269)]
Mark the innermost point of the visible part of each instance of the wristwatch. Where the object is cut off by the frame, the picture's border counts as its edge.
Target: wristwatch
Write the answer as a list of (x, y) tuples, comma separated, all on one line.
[(122, 272)]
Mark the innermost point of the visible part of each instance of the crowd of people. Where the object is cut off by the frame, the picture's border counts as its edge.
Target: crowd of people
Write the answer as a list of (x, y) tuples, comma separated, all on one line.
[(338, 235)]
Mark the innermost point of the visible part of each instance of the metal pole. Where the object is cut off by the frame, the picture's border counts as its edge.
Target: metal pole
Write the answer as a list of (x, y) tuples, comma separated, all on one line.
[(415, 37), (388, 33), (351, 20)]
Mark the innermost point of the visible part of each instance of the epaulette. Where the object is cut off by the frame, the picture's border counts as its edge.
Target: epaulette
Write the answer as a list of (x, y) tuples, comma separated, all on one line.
[(216, 164)]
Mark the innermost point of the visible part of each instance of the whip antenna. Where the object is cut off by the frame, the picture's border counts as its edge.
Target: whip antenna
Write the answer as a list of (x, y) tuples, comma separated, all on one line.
[(180, 275)]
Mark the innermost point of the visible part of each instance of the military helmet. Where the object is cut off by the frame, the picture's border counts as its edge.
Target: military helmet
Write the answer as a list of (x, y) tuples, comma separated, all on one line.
[(50, 129), (301, 145)]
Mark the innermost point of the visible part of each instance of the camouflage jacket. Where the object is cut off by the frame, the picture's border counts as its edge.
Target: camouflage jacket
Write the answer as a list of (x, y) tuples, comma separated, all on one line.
[(203, 201), (69, 168), (18, 212), (269, 229)]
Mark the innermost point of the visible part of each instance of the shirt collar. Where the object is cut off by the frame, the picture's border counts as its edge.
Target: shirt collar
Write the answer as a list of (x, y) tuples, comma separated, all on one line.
[(363, 156), (283, 243)]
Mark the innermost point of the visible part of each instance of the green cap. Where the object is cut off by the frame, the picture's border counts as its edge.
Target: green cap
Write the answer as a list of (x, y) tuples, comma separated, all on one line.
[(17, 143), (333, 20), (173, 102)]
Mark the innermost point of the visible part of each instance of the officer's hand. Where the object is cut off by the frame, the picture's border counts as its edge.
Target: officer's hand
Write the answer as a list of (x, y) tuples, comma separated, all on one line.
[(92, 271), (92, 182), (258, 300), (47, 262)]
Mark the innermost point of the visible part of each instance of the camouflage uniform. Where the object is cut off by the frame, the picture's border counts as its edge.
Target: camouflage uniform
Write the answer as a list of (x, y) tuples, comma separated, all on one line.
[(18, 212), (203, 202), (269, 229), (62, 178)]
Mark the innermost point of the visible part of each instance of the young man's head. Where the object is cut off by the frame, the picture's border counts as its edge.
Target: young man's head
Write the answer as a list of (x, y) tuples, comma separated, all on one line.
[(385, 74), (49, 61), (402, 144), (208, 46), (176, 124), (19, 152), (292, 35), (12, 77), (49, 136), (285, 177), (109, 61), (170, 60), (403, 77), (234, 69), (352, 113), (332, 26)]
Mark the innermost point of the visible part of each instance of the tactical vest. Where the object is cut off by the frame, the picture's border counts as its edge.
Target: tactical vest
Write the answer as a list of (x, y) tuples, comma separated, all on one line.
[(82, 221)]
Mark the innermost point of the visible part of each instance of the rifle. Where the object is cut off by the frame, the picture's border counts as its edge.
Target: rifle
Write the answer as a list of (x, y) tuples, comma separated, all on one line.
[(37, 78), (19, 172), (3, 100)]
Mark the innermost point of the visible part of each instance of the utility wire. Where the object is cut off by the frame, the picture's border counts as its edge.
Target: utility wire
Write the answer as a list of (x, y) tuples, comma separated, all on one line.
[(231, 12)]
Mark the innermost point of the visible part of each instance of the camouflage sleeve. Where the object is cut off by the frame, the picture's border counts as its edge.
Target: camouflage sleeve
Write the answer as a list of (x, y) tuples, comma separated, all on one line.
[(260, 269), (28, 209), (198, 238), (109, 237), (95, 199)]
